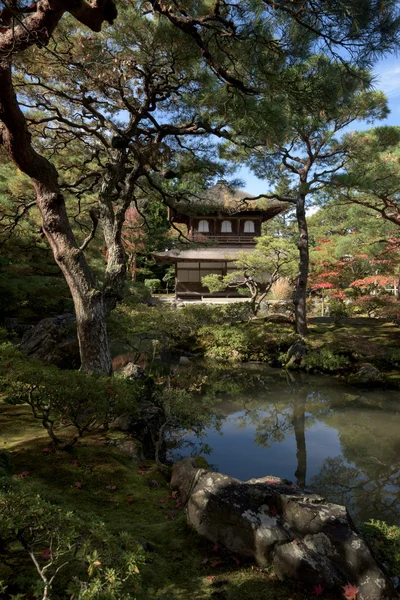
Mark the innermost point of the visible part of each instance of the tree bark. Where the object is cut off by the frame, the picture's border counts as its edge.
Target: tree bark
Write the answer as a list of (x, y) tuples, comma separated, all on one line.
[(299, 422), (300, 297), (87, 297)]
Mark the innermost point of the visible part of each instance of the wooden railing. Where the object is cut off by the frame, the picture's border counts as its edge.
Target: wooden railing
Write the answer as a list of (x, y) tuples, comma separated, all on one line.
[(228, 238)]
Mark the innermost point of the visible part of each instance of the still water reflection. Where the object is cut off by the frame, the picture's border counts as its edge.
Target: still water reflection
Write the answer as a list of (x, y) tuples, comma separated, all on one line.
[(338, 440)]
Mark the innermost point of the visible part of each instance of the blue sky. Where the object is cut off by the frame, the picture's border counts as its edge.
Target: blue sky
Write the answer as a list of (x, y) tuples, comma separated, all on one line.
[(387, 79)]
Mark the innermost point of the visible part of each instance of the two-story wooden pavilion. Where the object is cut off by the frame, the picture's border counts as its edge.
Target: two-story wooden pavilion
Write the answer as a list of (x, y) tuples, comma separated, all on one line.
[(220, 222)]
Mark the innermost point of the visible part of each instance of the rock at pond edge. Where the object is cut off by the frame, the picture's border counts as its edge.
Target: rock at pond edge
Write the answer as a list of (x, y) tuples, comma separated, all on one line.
[(268, 519)]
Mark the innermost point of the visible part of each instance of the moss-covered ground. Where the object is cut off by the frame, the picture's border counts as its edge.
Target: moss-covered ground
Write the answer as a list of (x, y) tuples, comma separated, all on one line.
[(335, 346), (180, 565)]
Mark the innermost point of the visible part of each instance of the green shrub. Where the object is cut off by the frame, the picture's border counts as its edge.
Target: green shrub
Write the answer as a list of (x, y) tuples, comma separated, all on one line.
[(137, 293), (384, 541), (56, 551), (225, 342), (371, 305), (197, 315), (323, 359), (152, 284), (338, 309), (394, 356), (61, 398), (147, 330), (390, 313), (244, 342)]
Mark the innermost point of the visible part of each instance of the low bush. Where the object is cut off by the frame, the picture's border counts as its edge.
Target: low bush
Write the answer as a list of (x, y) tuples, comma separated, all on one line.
[(137, 293), (245, 343), (384, 540), (208, 314), (324, 360), (60, 398), (147, 330), (152, 284), (390, 313), (46, 550), (339, 309), (371, 304)]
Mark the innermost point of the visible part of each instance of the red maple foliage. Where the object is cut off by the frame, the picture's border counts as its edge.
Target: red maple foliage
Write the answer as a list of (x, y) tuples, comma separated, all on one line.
[(318, 590), (374, 280), (350, 591), (322, 286)]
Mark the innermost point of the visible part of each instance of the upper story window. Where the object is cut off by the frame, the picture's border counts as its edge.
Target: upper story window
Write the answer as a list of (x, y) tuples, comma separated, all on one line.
[(226, 227), (203, 226), (249, 227)]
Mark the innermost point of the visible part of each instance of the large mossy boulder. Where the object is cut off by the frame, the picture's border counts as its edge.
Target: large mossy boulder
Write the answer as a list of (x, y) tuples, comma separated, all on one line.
[(366, 374), (53, 341), (269, 519)]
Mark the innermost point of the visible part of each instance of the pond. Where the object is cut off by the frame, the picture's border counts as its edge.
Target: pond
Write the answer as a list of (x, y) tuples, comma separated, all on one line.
[(338, 440)]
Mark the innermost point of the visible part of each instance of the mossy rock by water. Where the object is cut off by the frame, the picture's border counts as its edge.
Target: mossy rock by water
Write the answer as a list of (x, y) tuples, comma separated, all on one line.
[(201, 463)]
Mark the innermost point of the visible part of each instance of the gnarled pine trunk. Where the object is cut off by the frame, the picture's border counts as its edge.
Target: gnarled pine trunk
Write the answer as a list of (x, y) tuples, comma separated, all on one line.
[(301, 286), (86, 294)]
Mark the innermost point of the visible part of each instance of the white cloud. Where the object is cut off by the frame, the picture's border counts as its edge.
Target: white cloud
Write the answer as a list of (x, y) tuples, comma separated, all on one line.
[(388, 80), (312, 210)]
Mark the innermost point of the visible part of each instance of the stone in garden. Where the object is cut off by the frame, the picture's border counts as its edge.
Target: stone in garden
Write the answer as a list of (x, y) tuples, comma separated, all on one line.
[(129, 448), (132, 371), (184, 360), (269, 519), (53, 341), (366, 374), (295, 354)]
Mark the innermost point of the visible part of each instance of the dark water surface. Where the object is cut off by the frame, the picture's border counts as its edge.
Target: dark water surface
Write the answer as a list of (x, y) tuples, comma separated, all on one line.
[(340, 441)]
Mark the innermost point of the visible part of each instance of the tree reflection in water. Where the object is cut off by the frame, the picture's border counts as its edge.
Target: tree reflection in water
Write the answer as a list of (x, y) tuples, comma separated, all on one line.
[(365, 476)]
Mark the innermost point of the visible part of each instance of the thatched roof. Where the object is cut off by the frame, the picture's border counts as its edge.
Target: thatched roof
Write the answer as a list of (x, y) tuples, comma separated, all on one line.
[(225, 199)]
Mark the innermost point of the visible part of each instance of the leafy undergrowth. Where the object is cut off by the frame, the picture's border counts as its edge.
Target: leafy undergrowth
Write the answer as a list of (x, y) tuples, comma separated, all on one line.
[(96, 480)]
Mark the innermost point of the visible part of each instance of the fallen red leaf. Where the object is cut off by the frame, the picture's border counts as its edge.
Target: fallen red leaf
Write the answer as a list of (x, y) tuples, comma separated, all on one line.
[(350, 591), (130, 500), (78, 485), (161, 500), (74, 463), (211, 577), (47, 450), (24, 474), (274, 511), (111, 487), (171, 516), (204, 561), (215, 563), (215, 548), (318, 590), (237, 561)]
